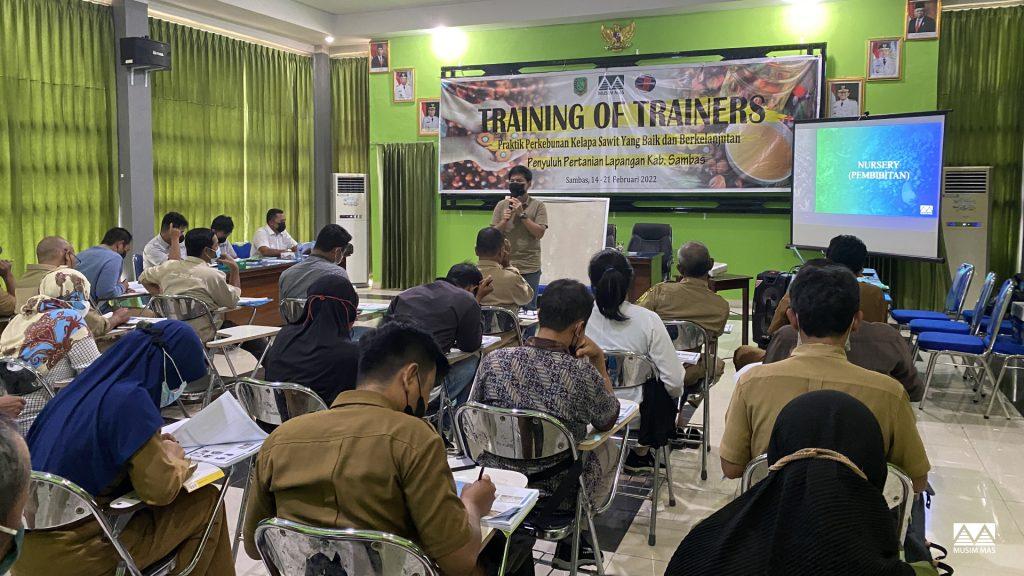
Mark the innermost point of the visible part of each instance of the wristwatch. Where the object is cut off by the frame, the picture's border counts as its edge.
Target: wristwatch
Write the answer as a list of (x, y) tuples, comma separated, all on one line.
[(523, 216)]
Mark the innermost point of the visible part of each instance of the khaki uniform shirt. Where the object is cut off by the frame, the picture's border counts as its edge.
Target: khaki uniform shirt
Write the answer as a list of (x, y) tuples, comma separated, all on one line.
[(511, 290), (688, 299), (525, 247), (361, 465), (762, 392), (872, 304), (194, 277), (7, 304), (28, 286)]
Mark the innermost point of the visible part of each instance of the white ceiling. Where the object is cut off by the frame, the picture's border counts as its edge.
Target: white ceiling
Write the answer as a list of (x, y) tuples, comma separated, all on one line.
[(357, 6)]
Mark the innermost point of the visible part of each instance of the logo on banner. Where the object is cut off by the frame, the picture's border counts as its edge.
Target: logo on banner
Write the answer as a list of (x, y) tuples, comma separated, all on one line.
[(974, 538), (579, 86), (610, 84), (645, 83)]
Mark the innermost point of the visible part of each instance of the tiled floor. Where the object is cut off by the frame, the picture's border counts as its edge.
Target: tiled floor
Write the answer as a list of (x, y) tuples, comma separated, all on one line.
[(978, 476)]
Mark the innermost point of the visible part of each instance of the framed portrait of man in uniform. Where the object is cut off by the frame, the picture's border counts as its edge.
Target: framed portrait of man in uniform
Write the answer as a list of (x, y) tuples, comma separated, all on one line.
[(922, 19), (403, 84), (429, 119), (845, 97), (885, 58)]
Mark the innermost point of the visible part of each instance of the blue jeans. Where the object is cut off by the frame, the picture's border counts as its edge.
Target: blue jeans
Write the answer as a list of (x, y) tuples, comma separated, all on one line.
[(459, 380), (533, 279)]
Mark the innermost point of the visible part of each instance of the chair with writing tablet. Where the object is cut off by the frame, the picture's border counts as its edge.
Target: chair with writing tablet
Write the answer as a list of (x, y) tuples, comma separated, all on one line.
[(497, 321), (271, 404), (628, 372), (533, 438), (187, 309), (688, 335), (55, 503), (293, 549)]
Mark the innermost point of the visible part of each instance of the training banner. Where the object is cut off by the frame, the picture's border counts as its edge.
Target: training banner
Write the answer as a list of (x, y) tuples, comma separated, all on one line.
[(706, 127)]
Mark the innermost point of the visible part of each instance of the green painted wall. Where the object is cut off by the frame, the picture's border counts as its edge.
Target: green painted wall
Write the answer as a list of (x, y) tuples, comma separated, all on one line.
[(748, 243)]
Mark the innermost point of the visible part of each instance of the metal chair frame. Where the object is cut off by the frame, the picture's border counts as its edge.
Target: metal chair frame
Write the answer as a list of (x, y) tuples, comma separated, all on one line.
[(509, 316), (979, 307), (245, 391), (693, 336), (292, 307), (127, 565), (564, 438), (375, 539), (982, 360), (41, 384)]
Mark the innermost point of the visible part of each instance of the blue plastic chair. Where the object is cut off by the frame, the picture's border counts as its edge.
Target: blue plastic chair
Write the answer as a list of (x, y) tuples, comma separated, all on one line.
[(243, 250), (959, 327), (975, 351), (954, 300), (137, 265)]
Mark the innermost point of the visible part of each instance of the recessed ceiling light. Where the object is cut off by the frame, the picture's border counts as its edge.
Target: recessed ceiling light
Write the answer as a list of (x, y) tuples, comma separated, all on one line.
[(329, 39)]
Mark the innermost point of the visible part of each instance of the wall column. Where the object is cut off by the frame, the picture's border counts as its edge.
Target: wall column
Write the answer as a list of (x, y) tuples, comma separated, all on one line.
[(323, 145), (134, 130)]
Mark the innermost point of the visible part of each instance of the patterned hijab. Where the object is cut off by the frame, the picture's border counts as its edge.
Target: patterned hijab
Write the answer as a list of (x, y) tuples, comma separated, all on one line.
[(49, 324)]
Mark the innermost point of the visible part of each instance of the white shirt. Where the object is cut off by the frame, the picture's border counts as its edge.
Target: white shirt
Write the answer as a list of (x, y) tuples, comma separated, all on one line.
[(843, 108), (884, 67), (156, 252), (643, 332), (430, 123), (403, 92), (267, 237)]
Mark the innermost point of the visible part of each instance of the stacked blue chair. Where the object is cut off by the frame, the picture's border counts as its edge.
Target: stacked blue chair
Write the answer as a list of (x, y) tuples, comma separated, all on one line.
[(954, 300), (921, 325), (975, 351)]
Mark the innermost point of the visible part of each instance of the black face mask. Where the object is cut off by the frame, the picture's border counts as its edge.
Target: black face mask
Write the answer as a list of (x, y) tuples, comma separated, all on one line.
[(222, 239), (421, 405), (279, 228), (516, 189), (574, 346)]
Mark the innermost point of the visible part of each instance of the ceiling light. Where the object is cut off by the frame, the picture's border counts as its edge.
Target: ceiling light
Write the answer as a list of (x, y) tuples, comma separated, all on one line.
[(329, 39), (449, 44)]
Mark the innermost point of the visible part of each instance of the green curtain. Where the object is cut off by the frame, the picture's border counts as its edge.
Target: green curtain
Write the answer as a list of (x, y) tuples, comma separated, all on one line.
[(58, 124), (350, 110), (198, 127), (279, 143), (409, 190)]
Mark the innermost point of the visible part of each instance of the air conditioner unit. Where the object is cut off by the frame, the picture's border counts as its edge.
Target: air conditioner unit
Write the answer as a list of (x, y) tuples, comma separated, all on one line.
[(966, 202), (352, 212)]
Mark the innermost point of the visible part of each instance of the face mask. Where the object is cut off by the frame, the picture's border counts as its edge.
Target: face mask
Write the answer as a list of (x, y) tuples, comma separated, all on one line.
[(574, 345), (222, 240), (16, 543), (421, 406), (279, 228), (168, 396), (516, 189)]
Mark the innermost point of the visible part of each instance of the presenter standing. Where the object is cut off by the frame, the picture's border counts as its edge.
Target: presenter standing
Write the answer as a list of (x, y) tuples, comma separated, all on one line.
[(524, 222)]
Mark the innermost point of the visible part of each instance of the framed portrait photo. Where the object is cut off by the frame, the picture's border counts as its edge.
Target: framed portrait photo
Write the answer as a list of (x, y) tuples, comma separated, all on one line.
[(428, 117), (380, 56), (403, 84), (885, 58), (845, 97), (922, 19)]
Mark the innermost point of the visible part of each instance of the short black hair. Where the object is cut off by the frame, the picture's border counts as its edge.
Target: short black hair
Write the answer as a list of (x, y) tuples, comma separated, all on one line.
[(610, 276), (522, 171), (197, 240), (115, 235), (173, 219), (393, 346), (489, 241), (330, 237), (273, 212), (224, 223), (825, 299), (563, 303), (848, 250), (464, 275)]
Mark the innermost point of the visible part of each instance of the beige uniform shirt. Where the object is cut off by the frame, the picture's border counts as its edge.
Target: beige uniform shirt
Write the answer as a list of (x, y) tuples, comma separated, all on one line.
[(510, 288), (28, 286), (361, 465), (872, 304), (525, 247), (762, 392), (194, 277)]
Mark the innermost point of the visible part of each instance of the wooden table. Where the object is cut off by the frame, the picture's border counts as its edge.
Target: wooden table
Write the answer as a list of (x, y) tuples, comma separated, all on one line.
[(735, 282), (261, 282), (646, 273)]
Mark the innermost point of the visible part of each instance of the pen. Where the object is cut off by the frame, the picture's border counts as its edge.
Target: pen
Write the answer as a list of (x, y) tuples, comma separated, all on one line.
[(481, 476)]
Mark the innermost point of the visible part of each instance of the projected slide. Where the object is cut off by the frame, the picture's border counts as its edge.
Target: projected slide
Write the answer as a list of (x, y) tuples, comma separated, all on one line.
[(879, 179)]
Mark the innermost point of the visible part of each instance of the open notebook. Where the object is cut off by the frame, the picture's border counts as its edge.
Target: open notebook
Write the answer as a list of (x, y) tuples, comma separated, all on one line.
[(221, 434), (511, 505)]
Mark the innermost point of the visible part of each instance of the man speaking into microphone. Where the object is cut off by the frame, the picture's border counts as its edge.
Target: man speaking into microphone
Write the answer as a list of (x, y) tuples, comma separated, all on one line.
[(524, 221)]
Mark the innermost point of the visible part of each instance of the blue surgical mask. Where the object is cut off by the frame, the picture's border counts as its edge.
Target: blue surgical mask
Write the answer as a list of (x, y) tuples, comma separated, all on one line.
[(16, 544), (168, 396)]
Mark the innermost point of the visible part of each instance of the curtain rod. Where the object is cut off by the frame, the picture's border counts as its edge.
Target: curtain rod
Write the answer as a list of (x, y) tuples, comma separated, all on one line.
[(980, 5)]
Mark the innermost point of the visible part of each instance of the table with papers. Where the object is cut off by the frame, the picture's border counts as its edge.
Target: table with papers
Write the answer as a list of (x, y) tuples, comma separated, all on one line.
[(628, 412), (487, 344)]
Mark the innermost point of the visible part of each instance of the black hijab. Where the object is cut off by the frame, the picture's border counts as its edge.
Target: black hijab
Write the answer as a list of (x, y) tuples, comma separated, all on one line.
[(317, 350), (812, 516)]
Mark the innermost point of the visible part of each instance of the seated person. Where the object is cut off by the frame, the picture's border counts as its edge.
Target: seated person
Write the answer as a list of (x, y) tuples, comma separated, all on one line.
[(222, 227), (691, 299), (194, 277), (15, 476), (51, 335), (820, 511), (372, 463), (271, 241), (55, 253), (324, 260), (8, 302), (103, 433), (511, 290), (316, 350), (103, 266), (825, 309), (449, 308), (560, 372), (874, 345), (167, 244)]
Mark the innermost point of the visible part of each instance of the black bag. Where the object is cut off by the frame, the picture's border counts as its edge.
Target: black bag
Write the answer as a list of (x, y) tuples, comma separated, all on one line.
[(770, 287)]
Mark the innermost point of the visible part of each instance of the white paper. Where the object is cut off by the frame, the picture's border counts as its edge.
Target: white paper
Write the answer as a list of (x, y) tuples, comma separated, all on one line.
[(688, 358), (728, 329), (373, 306), (137, 288), (222, 422), (510, 507), (484, 343), (134, 320), (253, 302)]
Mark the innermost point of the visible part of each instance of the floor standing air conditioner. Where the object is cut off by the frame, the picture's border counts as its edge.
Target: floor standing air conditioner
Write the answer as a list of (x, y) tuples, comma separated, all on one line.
[(965, 221), (352, 212)]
